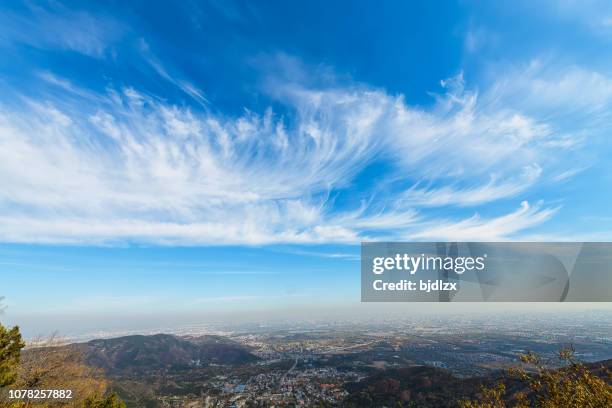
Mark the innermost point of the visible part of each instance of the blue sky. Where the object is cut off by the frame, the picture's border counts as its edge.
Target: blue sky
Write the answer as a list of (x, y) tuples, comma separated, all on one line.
[(230, 156)]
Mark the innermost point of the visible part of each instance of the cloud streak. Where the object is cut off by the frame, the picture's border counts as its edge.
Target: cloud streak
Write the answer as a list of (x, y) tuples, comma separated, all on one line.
[(124, 166), (58, 28)]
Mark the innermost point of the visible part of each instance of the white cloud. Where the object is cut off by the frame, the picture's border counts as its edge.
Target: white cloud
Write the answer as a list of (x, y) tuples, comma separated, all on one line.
[(568, 174), (572, 89), (185, 86), (478, 37), (492, 190), (59, 28), (124, 166), (493, 229)]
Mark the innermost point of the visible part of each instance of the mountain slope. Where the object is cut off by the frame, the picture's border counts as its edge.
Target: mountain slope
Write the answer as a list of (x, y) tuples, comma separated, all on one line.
[(163, 351)]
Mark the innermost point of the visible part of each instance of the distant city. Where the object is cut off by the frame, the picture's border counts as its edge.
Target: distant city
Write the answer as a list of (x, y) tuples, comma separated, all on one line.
[(310, 363)]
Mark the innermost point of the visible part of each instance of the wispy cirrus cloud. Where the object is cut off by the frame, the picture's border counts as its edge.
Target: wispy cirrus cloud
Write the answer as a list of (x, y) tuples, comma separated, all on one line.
[(126, 166), (54, 26), (476, 228), (493, 190)]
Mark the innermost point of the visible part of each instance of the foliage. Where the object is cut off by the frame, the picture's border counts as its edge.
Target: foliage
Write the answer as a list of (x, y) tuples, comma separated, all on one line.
[(573, 385), (109, 401), (51, 365), (492, 397), (10, 351)]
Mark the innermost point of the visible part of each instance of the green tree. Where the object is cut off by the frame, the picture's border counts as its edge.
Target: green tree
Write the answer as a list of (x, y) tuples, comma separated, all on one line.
[(10, 351)]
